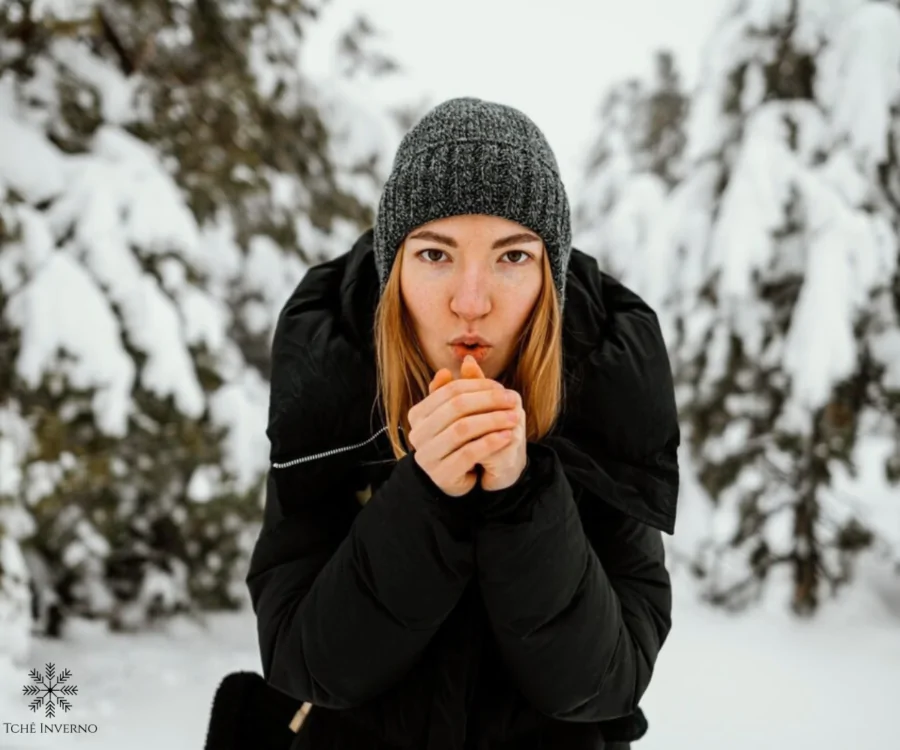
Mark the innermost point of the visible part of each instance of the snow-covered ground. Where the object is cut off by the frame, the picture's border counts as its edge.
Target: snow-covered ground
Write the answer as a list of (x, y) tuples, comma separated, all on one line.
[(741, 683)]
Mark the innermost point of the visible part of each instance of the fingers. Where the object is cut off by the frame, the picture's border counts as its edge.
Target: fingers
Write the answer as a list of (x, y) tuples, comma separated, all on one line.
[(463, 423), (477, 451), (461, 399), (470, 368), (447, 392), (441, 378), (463, 460), (467, 430)]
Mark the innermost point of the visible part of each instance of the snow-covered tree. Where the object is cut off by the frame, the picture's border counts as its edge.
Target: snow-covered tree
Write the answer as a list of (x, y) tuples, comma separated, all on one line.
[(631, 167), (168, 174), (775, 263)]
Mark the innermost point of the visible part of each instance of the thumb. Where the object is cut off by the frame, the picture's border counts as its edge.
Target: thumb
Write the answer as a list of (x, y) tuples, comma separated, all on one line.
[(470, 368)]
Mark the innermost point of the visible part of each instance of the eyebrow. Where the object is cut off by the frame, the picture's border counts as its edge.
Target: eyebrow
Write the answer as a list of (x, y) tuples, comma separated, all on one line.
[(513, 239)]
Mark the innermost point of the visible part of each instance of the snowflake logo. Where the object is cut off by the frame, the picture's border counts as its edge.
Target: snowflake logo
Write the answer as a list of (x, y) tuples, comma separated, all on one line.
[(50, 689)]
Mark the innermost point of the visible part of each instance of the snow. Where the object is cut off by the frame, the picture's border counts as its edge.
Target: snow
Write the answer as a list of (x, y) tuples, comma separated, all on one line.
[(15, 442), (62, 8), (241, 406), (630, 225), (116, 91), (205, 317), (886, 350), (35, 167), (777, 178), (721, 681), (62, 308), (272, 274), (743, 682), (118, 198), (15, 601), (867, 494), (86, 297), (156, 216), (752, 205), (843, 267), (109, 258), (203, 483), (621, 199), (860, 79), (781, 193)]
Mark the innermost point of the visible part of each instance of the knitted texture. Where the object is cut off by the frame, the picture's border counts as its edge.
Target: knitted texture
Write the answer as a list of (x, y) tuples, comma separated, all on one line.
[(470, 156)]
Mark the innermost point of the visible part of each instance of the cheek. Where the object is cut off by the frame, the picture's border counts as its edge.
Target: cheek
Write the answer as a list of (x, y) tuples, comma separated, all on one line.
[(519, 298), (423, 310), (418, 302)]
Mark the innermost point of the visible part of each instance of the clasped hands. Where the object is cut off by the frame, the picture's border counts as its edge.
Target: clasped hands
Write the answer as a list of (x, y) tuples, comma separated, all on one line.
[(465, 423)]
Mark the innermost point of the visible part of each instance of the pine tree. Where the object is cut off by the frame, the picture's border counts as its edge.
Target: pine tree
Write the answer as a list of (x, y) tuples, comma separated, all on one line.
[(776, 265), (172, 174), (631, 168)]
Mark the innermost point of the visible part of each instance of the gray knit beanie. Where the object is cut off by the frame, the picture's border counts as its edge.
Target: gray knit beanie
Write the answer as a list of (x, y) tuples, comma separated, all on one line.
[(469, 156)]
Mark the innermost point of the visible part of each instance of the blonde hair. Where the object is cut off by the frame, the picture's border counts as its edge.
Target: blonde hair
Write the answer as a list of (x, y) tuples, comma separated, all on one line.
[(536, 370)]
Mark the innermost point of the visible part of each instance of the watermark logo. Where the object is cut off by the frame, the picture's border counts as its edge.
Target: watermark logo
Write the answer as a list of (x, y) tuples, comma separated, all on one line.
[(51, 690)]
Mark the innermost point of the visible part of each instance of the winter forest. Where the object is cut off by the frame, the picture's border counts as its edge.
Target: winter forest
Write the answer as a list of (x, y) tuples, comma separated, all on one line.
[(168, 172)]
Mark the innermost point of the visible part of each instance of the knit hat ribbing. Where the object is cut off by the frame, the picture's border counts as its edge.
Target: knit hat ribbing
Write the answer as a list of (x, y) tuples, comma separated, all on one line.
[(470, 156)]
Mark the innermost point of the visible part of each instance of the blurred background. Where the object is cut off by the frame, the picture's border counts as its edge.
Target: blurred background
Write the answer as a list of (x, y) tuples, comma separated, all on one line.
[(169, 169)]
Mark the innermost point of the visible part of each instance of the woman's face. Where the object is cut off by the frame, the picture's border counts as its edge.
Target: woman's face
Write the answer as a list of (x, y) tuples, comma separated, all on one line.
[(476, 276)]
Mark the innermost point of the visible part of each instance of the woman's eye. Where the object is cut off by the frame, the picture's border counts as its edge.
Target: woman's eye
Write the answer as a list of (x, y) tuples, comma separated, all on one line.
[(433, 255), (430, 259), (525, 256)]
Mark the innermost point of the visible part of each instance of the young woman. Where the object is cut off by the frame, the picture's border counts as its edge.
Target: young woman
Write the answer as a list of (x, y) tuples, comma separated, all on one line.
[(474, 439)]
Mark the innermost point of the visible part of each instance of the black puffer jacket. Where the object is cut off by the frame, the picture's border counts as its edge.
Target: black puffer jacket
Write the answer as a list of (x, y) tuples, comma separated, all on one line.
[(526, 618)]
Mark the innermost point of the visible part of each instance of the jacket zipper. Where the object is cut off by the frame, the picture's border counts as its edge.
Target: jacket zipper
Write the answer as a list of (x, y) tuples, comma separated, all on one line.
[(326, 454)]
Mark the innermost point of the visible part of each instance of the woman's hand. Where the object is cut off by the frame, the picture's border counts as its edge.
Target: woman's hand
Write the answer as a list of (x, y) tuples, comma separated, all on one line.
[(503, 467), (460, 424)]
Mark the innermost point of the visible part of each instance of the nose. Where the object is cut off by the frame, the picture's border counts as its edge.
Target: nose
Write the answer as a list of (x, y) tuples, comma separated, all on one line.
[(471, 297)]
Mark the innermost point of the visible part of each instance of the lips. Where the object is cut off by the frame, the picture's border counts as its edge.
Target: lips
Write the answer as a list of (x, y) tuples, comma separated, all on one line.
[(470, 340), (477, 352), (470, 344)]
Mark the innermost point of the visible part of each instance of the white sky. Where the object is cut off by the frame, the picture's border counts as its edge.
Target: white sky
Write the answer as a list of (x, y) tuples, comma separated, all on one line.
[(552, 60)]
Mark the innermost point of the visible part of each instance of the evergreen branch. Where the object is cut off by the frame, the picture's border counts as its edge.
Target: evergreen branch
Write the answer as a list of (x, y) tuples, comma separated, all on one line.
[(776, 470), (126, 59), (68, 27)]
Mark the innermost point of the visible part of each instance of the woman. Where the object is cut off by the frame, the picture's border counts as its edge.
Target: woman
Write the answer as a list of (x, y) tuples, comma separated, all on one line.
[(474, 444)]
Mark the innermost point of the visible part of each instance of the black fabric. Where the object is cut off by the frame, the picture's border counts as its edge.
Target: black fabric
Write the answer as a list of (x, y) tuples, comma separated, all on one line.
[(529, 617), (246, 712)]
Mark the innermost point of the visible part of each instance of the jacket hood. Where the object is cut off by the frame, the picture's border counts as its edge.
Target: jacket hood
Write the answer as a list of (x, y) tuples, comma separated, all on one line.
[(618, 432)]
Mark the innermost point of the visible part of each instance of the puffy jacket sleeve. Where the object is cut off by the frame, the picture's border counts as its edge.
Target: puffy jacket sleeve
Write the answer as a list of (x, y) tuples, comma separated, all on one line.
[(344, 612), (580, 631)]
